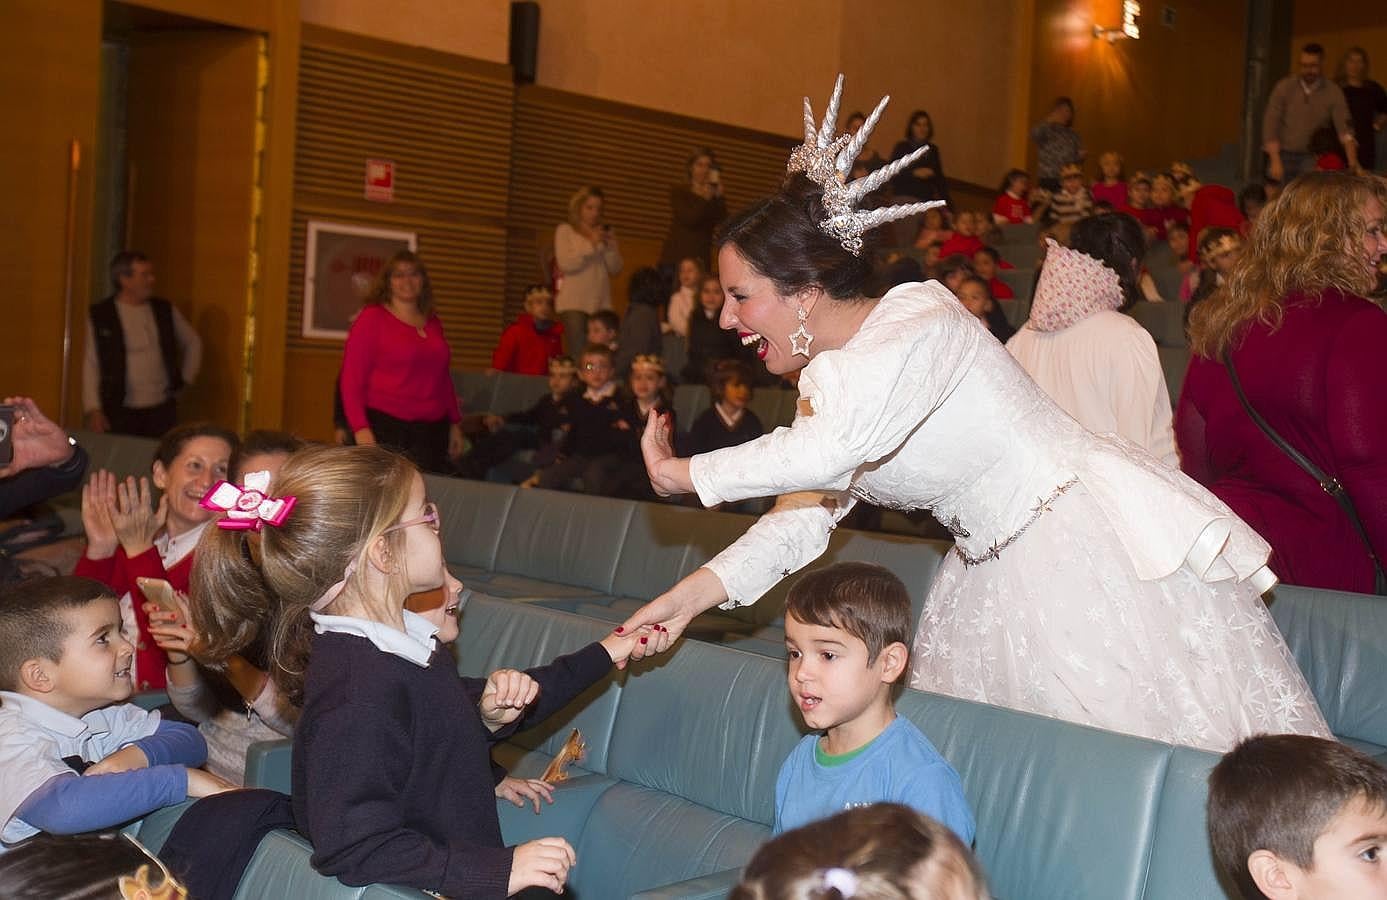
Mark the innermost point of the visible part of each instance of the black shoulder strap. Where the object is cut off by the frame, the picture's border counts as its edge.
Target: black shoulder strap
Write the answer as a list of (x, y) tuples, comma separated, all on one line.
[(1328, 483)]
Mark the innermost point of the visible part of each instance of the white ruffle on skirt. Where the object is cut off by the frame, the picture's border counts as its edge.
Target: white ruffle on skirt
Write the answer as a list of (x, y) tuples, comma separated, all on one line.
[(1063, 624)]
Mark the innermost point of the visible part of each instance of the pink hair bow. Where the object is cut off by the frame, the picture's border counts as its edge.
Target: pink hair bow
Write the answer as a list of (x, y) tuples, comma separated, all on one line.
[(249, 506)]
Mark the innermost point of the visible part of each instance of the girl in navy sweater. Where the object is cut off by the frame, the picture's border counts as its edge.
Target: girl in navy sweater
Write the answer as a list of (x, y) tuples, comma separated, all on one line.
[(392, 781)]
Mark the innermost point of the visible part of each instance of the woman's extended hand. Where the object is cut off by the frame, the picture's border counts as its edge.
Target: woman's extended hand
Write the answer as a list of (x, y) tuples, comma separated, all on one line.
[(666, 617), (98, 495), (668, 474)]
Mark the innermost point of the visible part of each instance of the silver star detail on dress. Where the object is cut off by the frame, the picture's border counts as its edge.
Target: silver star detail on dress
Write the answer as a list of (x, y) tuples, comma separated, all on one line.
[(827, 161)]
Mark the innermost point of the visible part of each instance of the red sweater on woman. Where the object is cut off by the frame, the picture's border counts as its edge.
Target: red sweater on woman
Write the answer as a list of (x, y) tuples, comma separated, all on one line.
[(1320, 380), (389, 366)]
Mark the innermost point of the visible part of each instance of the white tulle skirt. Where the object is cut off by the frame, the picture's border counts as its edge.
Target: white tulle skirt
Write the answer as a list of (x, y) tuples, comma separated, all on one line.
[(1060, 624)]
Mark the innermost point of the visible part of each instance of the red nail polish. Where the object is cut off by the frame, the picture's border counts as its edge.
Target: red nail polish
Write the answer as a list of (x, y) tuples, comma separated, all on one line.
[(619, 629), (645, 640)]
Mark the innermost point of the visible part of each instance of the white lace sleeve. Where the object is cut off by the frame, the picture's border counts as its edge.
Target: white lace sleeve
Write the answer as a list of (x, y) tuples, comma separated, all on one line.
[(786, 539), (857, 405)]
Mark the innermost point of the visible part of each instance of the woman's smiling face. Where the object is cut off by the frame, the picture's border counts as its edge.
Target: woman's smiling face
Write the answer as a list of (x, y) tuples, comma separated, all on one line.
[(200, 464), (761, 317)]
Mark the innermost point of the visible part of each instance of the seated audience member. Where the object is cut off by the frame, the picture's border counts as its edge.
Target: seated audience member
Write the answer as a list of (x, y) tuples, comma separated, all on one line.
[(226, 690), (1165, 203), (896, 270), (603, 328), (1139, 205), (847, 629), (1324, 147), (965, 238), (128, 537), (952, 270), (1100, 366), (1111, 186), (1251, 200), (76, 757), (727, 422), (533, 338), (44, 463), (684, 298), (1293, 817), (933, 228), (1219, 250), (1012, 207), (987, 262), (623, 473), (976, 297), (884, 851), (708, 340), (593, 435), (540, 428), (1212, 206), (1071, 202), (640, 326), (933, 254)]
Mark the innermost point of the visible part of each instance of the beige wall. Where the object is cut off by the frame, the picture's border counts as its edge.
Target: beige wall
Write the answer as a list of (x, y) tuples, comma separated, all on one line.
[(476, 28)]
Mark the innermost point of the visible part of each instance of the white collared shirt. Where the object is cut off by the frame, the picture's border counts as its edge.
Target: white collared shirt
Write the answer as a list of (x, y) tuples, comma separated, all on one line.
[(34, 738), (599, 394), (416, 643)]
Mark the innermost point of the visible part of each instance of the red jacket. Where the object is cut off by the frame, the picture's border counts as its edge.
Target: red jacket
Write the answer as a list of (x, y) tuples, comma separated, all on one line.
[(118, 573), (526, 350)]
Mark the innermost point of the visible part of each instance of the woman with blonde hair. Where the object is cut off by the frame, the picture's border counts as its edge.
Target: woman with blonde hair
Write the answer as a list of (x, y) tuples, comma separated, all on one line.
[(586, 256), (1290, 340), (397, 386)]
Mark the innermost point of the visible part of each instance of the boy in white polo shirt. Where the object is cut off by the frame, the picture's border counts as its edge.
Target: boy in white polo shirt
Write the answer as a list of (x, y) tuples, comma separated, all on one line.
[(73, 757), (845, 631)]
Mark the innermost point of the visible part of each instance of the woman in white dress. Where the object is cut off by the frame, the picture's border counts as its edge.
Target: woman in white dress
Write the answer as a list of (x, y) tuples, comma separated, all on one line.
[(1088, 581), (1099, 365)]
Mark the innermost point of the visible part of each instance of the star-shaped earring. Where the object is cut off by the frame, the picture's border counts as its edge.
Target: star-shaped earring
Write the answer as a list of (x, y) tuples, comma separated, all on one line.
[(800, 334)]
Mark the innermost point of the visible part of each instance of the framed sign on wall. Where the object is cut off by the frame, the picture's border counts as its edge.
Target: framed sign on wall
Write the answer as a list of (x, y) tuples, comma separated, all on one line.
[(341, 262)]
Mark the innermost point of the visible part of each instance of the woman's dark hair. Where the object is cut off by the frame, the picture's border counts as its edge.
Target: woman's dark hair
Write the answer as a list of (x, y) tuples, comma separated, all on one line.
[(699, 153), (910, 125), (176, 438), (261, 440), (648, 286), (779, 237), (1117, 241)]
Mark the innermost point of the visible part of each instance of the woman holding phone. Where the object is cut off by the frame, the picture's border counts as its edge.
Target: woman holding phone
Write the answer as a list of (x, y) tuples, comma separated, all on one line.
[(586, 256)]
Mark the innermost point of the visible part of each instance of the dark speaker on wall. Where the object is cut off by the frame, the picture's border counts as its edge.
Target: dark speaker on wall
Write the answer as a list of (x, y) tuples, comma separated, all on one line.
[(524, 40)]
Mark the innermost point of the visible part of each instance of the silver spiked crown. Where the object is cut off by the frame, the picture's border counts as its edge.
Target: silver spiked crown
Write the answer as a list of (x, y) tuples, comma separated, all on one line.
[(827, 160)]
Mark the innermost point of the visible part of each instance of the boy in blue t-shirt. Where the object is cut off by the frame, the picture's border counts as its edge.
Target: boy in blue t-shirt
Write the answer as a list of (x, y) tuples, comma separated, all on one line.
[(73, 756), (846, 628)]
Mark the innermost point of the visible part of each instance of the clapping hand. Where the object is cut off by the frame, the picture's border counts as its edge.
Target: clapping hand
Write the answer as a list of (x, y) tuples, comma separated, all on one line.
[(134, 515), (98, 496), (37, 441), (507, 693)]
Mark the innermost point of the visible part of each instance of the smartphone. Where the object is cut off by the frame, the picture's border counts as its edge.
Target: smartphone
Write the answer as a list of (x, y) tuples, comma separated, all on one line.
[(158, 591), (6, 435)]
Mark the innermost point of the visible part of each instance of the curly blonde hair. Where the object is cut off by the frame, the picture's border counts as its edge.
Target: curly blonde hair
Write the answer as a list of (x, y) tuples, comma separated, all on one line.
[(1308, 240)]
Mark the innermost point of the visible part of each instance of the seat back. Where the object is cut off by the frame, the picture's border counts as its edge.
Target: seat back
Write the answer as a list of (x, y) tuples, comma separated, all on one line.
[(514, 392), (690, 400), (474, 514), (569, 538), (475, 390)]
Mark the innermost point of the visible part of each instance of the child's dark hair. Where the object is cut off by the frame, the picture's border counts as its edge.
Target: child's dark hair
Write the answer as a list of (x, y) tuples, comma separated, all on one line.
[(31, 622), (536, 288), (1279, 793), (953, 264), (597, 350), (1011, 176), (648, 287), (1118, 242), (880, 852), (865, 600), (779, 237), (1253, 193), (83, 867), (1177, 226), (990, 252), (980, 281), (607, 318), (260, 441), (176, 438), (728, 371), (346, 498)]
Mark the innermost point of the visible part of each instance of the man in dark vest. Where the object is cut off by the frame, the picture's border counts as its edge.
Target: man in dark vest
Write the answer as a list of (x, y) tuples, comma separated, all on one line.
[(141, 353)]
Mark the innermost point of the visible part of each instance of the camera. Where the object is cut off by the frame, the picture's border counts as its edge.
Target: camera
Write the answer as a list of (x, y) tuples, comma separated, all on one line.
[(6, 435)]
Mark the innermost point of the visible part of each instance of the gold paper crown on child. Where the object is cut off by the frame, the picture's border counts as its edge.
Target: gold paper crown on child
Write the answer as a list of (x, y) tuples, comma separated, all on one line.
[(649, 361), (562, 365), (1224, 243), (826, 160)]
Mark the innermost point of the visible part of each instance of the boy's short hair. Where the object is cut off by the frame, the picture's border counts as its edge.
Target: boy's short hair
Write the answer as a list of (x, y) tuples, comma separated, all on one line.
[(865, 600), (531, 289), (598, 350), (563, 365), (606, 317), (31, 621), (978, 280), (990, 252), (1177, 226), (1279, 793), (724, 372), (1071, 170)]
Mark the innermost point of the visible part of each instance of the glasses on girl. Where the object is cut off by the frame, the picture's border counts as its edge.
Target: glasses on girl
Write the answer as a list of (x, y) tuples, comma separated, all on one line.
[(430, 518)]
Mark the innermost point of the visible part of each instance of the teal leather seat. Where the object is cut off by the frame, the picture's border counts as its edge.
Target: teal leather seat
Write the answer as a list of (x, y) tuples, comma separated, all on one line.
[(690, 400), (557, 544), (514, 392)]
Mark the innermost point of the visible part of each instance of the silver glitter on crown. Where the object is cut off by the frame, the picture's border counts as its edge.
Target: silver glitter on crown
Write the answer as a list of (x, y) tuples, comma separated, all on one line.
[(827, 160)]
